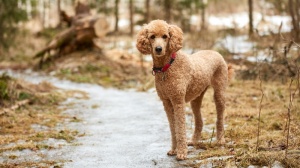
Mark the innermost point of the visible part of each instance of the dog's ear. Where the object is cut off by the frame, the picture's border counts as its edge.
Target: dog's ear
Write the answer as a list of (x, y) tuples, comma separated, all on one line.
[(142, 42), (176, 38)]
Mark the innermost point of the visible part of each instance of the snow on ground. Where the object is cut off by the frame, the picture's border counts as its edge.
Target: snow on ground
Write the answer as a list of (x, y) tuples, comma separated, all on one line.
[(263, 23)]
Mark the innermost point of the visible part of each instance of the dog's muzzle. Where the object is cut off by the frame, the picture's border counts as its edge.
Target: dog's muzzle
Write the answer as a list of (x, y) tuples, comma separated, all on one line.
[(158, 49)]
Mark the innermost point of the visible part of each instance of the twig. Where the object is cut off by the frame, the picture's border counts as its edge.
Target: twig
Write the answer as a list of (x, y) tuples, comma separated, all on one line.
[(259, 111), (231, 139), (289, 119), (286, 51), (292, 95), (192, 119), (296, 44), (298, 76), (212, 136)]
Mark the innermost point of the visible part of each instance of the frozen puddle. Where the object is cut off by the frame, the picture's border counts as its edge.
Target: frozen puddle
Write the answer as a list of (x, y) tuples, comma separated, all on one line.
[(123, 128)]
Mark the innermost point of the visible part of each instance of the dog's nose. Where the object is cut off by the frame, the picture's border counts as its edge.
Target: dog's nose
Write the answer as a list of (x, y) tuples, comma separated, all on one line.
[(158, 49)]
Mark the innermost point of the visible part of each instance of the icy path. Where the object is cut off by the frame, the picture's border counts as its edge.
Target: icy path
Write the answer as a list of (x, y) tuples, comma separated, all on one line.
[(123, 128), (129, 129)]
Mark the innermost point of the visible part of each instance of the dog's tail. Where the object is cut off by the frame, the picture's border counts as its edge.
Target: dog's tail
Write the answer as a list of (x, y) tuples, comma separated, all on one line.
[(231, 72)]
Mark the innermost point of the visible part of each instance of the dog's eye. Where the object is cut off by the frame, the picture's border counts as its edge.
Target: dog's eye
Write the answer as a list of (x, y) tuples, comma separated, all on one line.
[(164, 36), (152, 37)]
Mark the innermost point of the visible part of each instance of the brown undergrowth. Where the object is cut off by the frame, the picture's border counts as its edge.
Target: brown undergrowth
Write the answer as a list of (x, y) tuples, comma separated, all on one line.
[(243, 101), (29, 125), (110, 68)]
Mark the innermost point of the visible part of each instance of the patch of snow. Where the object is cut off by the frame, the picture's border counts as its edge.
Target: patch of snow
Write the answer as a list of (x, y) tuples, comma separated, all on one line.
[(148, 58), (123, 23), (194, 20), (237, 20), (277, 164), (264, 24), (38, 127), (236, 44)]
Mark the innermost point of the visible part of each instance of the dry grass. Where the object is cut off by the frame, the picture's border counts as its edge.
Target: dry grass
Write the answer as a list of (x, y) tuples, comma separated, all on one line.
[(31, 123), (243, 100), (114, 68)]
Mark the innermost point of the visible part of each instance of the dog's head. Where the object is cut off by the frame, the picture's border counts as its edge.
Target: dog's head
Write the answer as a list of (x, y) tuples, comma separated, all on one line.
[(158, 38)]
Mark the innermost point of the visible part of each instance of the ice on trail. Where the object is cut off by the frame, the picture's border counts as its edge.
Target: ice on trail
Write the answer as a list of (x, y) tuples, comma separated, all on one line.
[(126, 129)]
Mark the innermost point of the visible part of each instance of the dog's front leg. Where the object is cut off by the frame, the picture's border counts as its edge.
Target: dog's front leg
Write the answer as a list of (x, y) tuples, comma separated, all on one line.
[(180, 130), (170, 114)]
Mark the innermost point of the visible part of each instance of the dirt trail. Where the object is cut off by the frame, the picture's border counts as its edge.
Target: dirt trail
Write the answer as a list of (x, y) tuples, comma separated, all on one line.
[(123, 128)]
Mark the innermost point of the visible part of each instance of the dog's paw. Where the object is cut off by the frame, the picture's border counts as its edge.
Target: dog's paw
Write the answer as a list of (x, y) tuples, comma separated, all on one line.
[(172, 153), (180, 157)]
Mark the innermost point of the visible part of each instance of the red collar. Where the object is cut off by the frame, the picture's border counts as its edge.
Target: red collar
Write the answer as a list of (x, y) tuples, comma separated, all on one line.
[(166, 67)]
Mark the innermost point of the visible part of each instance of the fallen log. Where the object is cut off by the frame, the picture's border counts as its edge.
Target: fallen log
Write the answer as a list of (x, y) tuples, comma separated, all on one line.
[(58, 42), (80, 35)]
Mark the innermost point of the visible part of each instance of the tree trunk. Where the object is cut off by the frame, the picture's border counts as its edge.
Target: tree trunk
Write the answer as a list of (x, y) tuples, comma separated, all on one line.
[(168, 7), (297, 28), (203, 7), (250, 4), (59, 14), (147, 14), (131, 16), (116, 15), (294, 12), (44, 14), (104, 7)]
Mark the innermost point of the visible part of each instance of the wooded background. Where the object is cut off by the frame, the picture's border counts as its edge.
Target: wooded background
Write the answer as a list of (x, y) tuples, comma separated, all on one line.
[(14, 12)]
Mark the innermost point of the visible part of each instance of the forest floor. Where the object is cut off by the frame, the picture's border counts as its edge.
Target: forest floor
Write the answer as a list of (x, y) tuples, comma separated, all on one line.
[(110, 115), (92, 125)]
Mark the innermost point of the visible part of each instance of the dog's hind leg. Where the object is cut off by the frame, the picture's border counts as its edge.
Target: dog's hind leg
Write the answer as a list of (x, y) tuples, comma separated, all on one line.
[(219, 97), (170, 114), (196, 107)]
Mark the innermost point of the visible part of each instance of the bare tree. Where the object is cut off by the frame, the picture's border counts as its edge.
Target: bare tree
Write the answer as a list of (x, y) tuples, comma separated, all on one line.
[(203, 7), (147, 13), (294, 6), (168, 6), (59, 13), (250, 4), (44, 14), (102, 6), (117, 15), (131, 16)]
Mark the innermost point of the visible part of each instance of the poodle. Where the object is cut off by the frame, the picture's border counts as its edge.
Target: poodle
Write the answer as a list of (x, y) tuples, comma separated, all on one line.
[(181, 78)]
